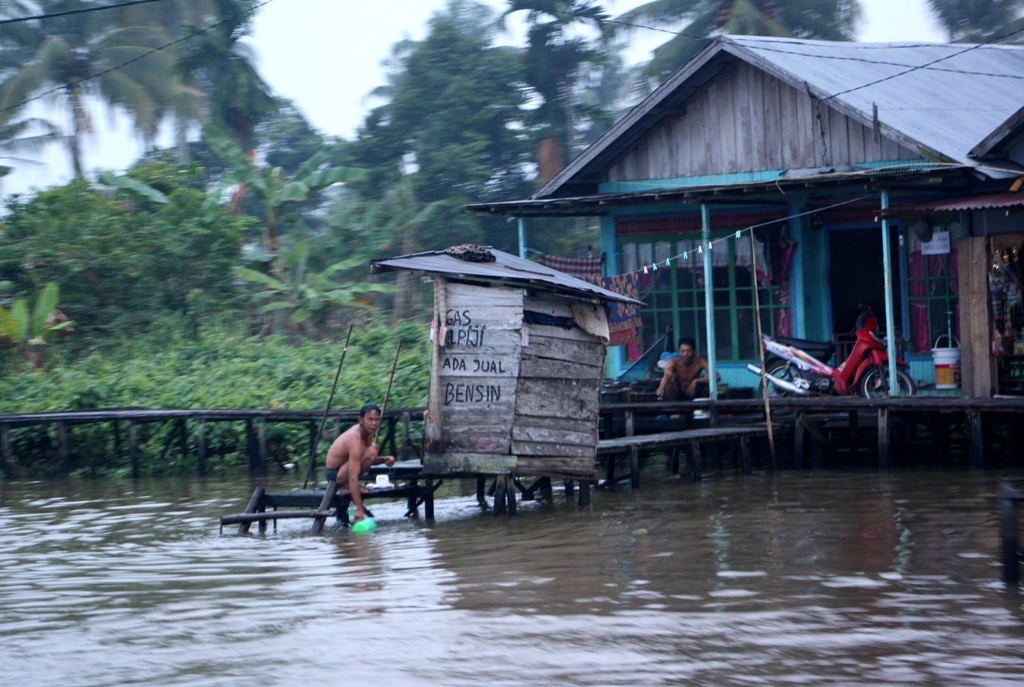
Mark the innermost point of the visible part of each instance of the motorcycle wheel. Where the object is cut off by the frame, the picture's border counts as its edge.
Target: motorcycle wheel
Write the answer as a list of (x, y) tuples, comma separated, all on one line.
[(875, 383), (783, 370)]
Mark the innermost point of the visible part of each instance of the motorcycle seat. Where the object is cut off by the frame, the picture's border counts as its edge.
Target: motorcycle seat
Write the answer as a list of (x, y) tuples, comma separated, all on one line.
[(822, 350)]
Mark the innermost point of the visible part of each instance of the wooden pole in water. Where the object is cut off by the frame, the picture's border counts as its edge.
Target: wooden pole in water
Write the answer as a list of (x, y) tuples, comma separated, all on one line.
[(760, 349), (387, 394), (323, 421), (201, 446), (133, 447), (5, 449)]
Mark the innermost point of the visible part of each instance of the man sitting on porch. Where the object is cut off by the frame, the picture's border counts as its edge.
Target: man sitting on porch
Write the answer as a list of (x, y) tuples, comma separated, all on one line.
[(683, 380)]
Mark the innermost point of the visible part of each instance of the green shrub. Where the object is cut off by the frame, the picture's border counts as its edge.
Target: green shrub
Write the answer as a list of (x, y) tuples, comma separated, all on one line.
[(220, 368)]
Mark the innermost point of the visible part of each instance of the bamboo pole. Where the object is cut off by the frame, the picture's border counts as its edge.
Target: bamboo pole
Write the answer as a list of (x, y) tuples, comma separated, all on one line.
[(760, 348), (387, 394), (323, 421)]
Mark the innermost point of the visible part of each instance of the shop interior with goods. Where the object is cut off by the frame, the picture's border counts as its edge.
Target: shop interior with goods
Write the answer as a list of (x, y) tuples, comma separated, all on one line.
[(1005, 277)]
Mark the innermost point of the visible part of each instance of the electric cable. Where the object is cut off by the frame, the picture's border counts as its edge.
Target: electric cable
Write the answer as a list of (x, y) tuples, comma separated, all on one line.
[(135, 59), (81, 10)]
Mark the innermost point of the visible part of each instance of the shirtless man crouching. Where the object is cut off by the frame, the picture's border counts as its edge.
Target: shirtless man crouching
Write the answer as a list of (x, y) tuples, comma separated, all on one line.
[(355, 447)]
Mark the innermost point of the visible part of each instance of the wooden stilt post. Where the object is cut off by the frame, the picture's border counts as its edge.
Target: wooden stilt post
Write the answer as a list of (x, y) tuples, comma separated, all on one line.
[(545, 488), (1008, 532), (609, 469), (481, 488), (311, 471), (500, 487), (673, 461), (133, 447), (254, 503), (799, 437), (325, 503), (261, 437), (745, 454), (250, 445), (695, 459), (183, 438), (854, 434), (62, 447), (975, 441), (406, 420), (510, 495), (412, 503), (584, 493), (935, 430), (5, 449), (428, 500), (884, 439), (201, 446), (634, 468), (569, 489)]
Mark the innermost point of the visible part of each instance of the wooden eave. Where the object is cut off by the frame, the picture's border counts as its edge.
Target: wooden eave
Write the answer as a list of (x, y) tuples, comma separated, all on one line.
[(781, 191), (994, 145)]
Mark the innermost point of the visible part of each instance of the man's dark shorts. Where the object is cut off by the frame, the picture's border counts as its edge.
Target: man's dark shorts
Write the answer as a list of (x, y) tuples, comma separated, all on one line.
[(331, 474)]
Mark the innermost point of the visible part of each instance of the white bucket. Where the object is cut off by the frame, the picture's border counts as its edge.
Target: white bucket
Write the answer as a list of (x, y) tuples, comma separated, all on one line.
[(947, 364)]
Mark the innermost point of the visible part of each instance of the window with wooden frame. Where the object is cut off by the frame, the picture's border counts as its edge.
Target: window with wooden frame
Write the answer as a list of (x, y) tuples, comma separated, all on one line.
[(674, 300)]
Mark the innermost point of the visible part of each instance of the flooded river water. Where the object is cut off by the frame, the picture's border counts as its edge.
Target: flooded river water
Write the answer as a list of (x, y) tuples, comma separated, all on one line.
[(826, 579)]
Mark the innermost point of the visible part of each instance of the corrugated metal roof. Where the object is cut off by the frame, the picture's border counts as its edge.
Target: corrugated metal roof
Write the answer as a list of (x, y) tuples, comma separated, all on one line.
[(952, 206), (963, 94), (957, 95), (506, 268)]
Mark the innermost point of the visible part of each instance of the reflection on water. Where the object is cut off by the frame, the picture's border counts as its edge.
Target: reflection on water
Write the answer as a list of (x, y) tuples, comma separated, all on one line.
[(837, 579)]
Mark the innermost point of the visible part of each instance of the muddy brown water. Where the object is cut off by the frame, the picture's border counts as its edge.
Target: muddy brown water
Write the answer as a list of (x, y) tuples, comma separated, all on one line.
[(814, 579)]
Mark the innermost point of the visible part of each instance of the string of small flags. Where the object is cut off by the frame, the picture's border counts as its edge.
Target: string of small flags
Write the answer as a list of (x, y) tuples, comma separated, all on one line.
[(685, 255), (710, 244)]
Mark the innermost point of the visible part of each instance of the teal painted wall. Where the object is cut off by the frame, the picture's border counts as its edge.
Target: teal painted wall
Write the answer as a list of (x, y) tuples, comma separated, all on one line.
[(811, 263)]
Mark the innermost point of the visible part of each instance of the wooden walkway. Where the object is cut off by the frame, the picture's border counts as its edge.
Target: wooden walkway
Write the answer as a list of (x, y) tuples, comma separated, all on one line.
[(805, 417), (608, 449), (255, 429)]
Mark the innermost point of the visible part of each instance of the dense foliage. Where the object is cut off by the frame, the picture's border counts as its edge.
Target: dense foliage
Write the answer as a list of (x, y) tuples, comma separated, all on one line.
[(122, 260), (220, 368)]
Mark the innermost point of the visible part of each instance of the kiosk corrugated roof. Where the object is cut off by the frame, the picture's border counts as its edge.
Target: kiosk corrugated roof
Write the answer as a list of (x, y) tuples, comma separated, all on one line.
[(506, 268)]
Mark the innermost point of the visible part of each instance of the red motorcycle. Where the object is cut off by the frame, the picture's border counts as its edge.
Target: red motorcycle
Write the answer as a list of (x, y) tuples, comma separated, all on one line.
[(795, 366)]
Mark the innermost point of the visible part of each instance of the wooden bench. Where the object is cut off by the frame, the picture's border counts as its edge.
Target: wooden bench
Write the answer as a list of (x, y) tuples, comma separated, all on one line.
[(692, 438), (319, 504)]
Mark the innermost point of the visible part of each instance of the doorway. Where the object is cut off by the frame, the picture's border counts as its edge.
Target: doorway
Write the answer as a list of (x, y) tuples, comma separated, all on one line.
[(856, 276)]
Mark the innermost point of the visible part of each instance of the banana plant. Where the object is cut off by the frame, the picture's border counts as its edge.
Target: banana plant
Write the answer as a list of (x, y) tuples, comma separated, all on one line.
[(32, 330), (273, 188), (309, 295)]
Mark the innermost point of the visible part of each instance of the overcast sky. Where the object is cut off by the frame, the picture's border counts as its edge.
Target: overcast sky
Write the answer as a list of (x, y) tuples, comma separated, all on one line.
[(327, 56)]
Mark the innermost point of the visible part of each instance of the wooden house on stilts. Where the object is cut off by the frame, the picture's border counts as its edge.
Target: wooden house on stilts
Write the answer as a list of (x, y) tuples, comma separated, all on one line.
[(518, 352)]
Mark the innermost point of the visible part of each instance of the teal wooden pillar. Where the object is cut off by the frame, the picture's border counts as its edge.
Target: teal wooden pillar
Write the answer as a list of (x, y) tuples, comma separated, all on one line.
[(522, 238), (709, 301), (890, 310)]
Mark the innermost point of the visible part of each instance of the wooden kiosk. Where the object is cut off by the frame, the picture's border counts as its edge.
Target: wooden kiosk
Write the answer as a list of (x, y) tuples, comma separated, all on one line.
[(517, 360)]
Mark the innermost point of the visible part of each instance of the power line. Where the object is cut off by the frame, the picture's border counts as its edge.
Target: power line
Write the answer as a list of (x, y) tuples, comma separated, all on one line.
[(81, 10), (927, 64), (910, 69), (135, 59)]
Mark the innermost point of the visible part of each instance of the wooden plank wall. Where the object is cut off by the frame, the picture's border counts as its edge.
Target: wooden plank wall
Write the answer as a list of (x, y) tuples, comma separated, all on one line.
[(977, 373), (556, 413), (747, 121), (473, 378)]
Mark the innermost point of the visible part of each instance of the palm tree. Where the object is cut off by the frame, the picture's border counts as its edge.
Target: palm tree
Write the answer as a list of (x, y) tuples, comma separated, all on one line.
[(178, 19), (221, 65), (978, 21), (833, 20), (80, 55), (554, 57)]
